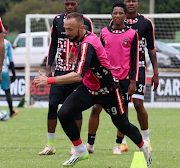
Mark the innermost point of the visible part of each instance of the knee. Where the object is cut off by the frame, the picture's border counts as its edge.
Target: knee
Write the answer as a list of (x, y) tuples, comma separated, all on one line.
[(138, 104), (63, 114), (96, 110), (52, 114)]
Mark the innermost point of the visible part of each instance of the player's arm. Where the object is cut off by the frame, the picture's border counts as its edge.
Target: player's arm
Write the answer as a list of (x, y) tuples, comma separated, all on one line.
[(11, 63), (81, 66), (134, 71), (2, 48), (152, 53), (52, 48)]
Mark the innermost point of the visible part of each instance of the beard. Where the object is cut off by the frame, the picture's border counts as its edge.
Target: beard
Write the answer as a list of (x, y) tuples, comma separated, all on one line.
[(75, 38)]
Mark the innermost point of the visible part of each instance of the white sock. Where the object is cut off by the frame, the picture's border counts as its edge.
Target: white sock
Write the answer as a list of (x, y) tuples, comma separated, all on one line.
[(143, 148), (145, 134), (50, 135), (80, 148), (124, 140)]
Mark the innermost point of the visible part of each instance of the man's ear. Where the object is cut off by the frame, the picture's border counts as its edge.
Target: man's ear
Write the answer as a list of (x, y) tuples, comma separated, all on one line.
[(82, 27)]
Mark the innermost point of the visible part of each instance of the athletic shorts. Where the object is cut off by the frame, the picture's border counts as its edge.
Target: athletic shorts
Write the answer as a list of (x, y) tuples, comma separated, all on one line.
[(5, 83), (58, 93), (124, 84), (140, 85), (112, 103)]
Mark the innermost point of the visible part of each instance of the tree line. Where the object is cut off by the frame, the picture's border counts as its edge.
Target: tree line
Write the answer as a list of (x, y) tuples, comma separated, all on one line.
[(13, 11)]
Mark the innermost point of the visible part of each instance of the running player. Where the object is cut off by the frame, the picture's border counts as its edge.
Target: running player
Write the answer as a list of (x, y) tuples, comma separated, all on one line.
[(98, 87), (58, 93), (2, 48), (5, 83), (121, 46)]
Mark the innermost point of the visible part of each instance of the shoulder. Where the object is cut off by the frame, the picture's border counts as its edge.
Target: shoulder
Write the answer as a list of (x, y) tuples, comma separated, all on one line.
[(86, 19), (146, 19), (105, 29), (57, 17)]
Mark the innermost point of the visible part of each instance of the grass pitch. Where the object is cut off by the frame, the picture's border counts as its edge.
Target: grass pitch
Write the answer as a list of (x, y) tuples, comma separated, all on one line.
[(23, 136)]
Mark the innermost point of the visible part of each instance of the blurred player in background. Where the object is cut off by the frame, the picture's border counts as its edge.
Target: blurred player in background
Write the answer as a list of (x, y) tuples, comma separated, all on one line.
[(122, 49), (2, 48), (8, 63), (58, 93), (98, 86)]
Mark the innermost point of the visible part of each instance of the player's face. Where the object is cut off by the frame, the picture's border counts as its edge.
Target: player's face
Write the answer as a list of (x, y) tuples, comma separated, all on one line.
[(71, 5), (118, 15), (131, 5), (72, 29)]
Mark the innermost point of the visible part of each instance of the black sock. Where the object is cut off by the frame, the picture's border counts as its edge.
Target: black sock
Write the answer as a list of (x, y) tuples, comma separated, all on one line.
[(9, 100), (119, 139), (91, 138)]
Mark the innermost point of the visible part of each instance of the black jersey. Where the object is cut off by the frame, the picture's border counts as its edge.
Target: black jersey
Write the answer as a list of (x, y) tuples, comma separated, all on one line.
[(61, 44), (1, 26), (145, 30)]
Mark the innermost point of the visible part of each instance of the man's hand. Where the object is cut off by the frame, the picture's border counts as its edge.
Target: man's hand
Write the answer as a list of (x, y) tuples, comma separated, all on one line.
[(71, 57), (48, 71), (155, 81), (40, 80), (13, 78), (132, 87)]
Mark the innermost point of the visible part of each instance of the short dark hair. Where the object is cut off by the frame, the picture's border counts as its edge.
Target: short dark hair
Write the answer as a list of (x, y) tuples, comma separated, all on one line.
[(119, 4), (5, 27), (75, 0), (77, 16)]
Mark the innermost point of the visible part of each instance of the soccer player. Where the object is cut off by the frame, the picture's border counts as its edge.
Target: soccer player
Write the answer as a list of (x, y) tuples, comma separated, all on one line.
[(2, 48), (58, 93), (145, 30), (121, 46), (8, 62), (98, 87)]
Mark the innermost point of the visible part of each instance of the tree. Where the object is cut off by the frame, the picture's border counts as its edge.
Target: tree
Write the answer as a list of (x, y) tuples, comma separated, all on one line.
[(167, 6), (15, 17)]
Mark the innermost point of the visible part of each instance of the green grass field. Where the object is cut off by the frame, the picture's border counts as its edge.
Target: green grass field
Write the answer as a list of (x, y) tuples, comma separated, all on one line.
[(22, 137)]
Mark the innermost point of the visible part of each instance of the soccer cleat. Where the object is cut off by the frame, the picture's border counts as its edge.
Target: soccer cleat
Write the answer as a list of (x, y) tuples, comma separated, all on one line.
[(89, 147), (117, 150), (72, 150), (76, 157), (147, 153), (124, 147), (15, 112), (48, 150)]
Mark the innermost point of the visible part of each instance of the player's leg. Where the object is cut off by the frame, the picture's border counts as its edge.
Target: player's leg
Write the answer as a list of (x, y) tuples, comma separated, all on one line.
[(5, 86), (93, 126), (77, 102), (121, 144), (56, 96), (68, 89), (115, 108), (138, 99)]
